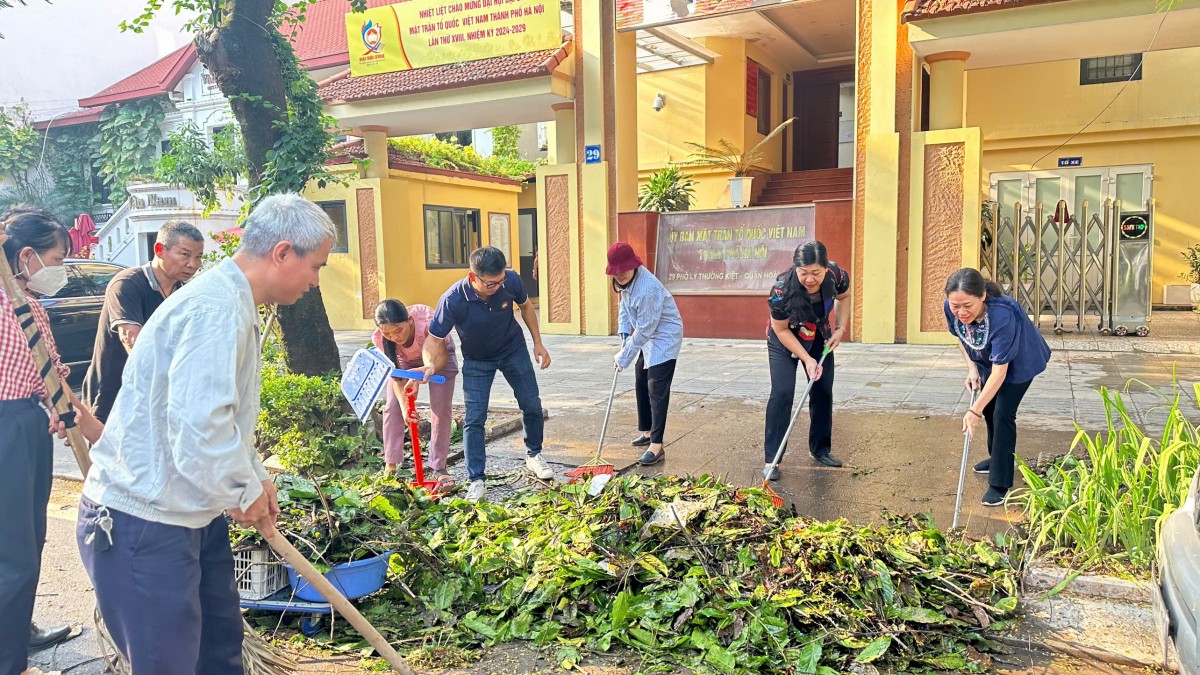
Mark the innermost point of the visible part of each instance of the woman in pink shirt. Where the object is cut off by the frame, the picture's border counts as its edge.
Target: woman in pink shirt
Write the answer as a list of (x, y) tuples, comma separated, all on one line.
[(401, 337)]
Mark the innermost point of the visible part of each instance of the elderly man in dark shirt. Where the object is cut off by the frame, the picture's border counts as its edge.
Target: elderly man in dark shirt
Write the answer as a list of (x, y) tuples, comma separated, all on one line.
[(132, 297)]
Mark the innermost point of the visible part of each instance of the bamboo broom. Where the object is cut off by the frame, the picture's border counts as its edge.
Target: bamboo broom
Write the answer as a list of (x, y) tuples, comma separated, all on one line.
[(79, 447)]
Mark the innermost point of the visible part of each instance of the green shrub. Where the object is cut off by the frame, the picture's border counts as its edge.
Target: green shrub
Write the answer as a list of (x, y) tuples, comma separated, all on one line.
[(667, 190), (304, 421), (1105, 509)]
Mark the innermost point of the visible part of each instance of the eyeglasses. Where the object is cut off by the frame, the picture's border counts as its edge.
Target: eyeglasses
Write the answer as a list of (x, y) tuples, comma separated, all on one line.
[(490, 285)]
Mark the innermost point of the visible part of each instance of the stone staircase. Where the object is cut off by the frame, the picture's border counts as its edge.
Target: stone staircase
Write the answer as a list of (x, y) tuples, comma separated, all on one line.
[(799, 187)]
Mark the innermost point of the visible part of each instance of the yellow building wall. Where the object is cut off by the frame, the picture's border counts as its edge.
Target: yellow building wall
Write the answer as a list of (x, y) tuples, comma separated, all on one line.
[(705, 104), (1155, 121), (341, 286), (399, 205)]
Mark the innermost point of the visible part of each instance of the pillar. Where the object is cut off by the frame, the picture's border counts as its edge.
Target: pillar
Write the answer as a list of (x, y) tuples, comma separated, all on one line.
[(626, 121), (563, 144), (375, 145), (595, 126), (878, 167), (946, 71)]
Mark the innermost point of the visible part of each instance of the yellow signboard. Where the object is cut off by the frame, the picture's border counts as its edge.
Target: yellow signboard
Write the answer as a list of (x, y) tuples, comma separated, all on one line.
[(421, 33)]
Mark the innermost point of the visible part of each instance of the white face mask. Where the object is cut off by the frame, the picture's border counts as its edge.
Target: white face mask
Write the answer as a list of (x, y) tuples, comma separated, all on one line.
[(48, 280)]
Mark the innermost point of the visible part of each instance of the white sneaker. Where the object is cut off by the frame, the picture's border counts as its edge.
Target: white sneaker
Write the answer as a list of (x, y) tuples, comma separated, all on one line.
[(38, 671), (477, 490), (538, 467)]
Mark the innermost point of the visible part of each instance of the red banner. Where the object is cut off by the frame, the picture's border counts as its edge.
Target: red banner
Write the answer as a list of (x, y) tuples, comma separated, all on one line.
[(751, 88)]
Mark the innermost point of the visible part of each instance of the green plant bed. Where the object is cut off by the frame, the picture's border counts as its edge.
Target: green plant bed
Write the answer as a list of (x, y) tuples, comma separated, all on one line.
[(1100, 508), (747, 588)]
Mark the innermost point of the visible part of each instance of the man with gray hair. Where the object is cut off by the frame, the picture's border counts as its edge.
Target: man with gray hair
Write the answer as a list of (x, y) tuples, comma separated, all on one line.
[(178, 451), (131, 298)]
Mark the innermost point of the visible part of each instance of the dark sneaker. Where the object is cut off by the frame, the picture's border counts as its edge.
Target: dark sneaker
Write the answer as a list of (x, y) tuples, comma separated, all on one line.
[(775, 475), (827, 459), (984, 467), (640, 441), (994, 496), (648, 458)]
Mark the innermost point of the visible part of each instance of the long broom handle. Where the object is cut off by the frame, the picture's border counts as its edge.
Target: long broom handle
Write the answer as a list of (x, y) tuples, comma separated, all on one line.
[(45, 365), (792, 423), (293, 557), (962, 471), (607, 411)]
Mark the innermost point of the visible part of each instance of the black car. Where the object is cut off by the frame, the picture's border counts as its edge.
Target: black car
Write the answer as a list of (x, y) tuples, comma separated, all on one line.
[(74, 313)]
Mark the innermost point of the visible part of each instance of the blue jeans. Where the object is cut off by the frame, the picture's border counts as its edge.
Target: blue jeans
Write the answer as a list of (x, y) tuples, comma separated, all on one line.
[(477, 377), (167, 594)]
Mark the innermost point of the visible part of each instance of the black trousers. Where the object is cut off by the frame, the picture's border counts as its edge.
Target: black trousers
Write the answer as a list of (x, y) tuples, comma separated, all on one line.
[(783, 394), (1001, 418), (26, 469), (653, 389)]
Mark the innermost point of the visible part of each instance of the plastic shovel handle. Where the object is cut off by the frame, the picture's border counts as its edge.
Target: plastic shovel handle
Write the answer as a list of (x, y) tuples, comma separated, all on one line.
[(417, 375)]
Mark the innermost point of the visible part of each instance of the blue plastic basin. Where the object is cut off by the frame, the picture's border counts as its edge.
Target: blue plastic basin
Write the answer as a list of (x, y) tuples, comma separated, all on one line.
[(353, 580)]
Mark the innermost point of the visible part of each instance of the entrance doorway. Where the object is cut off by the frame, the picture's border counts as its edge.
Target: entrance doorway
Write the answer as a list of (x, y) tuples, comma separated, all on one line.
[(1129, 185), (823, 101), (527, 229)]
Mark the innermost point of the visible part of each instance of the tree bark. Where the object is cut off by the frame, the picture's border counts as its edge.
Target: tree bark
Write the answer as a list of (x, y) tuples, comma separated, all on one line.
[(258, 98)]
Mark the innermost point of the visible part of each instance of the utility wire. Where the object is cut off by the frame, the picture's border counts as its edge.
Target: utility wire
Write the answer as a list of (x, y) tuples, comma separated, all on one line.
[(1134, 74)]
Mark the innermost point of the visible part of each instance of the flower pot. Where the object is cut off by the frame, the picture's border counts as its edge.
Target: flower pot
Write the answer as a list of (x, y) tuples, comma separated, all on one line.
[(739, 190), (1195, 293)]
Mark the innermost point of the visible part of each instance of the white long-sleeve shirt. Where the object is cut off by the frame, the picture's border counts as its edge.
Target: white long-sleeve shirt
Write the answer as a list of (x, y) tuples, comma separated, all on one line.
[(178, 446), (647, 313)]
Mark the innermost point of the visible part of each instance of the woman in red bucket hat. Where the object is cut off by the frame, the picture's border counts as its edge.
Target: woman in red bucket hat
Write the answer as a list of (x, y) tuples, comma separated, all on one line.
[(651, 330)]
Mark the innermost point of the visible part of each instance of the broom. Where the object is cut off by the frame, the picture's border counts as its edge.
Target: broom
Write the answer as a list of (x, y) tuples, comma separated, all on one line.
[(596, 466), (58, 399), (770, 468)]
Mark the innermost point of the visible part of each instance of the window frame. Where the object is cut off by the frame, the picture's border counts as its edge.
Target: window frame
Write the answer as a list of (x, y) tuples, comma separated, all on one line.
[(344, 227), (1099, 63), (472, 236), (764, 101)]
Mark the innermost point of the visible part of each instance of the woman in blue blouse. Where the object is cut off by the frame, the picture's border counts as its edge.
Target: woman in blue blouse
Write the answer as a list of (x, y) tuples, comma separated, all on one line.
[(649, 323), (1004, 352)]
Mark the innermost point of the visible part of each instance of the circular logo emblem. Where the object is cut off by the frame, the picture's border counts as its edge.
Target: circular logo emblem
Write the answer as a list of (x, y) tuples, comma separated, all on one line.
[(1134, 226), (372, 37)]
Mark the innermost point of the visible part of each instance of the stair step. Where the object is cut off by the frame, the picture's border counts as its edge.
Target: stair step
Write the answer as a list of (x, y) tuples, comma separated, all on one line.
[(817, 173), (823, 194)]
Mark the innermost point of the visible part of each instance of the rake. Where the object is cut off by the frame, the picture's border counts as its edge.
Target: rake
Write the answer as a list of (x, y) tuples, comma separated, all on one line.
[(597, 466), (414, 432), (770, 468)]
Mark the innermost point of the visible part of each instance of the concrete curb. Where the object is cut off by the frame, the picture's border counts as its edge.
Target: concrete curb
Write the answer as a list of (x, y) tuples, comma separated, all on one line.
[(1041, 579)]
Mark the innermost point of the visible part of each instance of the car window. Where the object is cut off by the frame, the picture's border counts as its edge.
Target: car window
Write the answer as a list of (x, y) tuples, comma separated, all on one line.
[(75, 286), (97, 275)]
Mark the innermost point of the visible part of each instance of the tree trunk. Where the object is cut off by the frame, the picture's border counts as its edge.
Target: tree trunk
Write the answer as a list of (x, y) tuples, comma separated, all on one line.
[(258, 98)]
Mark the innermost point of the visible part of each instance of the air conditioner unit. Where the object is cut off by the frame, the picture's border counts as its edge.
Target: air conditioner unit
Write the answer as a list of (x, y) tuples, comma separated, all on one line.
[(175, 95)]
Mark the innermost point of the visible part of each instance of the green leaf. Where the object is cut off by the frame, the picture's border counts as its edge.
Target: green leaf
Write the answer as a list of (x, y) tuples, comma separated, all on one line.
[(720, 658), (1007, 605), (620, 609), (809, 657), (479, 626), (918, 615), (873, 651)]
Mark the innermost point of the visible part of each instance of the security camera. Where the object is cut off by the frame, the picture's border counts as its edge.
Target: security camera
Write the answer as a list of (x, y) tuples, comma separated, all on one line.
[(659, 102)]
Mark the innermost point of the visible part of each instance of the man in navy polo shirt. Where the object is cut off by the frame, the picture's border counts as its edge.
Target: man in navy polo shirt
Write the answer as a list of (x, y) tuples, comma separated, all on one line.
[(480, 308)]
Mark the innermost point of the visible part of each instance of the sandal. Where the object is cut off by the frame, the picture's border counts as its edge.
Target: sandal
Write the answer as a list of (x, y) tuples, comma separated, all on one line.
[(445, 483)]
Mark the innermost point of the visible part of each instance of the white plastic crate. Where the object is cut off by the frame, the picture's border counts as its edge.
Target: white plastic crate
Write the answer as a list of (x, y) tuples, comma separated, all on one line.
[(258, 574)]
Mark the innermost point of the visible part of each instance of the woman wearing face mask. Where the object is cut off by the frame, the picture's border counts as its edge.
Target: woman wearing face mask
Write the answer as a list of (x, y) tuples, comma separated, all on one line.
[(1004, 352), (401, 337), (35, 244), (801, 303)]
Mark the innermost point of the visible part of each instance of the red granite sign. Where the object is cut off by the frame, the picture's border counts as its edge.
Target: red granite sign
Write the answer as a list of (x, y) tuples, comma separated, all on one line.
[(734, 252)]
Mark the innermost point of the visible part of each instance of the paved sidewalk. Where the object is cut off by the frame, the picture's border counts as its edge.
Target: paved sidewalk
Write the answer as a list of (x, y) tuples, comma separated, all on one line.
[(883, 378)]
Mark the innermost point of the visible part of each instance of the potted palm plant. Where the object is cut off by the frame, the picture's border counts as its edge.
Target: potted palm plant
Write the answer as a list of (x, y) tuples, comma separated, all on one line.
[(667, 190), (1192, 255), (726, 156)]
